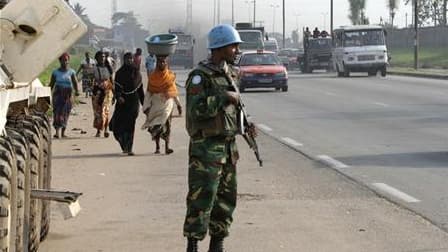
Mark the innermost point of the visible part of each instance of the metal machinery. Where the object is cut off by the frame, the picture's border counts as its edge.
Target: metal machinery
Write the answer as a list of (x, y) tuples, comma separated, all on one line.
[(32, 35)]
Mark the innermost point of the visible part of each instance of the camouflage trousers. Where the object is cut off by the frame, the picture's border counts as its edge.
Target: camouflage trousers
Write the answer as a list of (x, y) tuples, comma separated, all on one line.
[(211, 198)]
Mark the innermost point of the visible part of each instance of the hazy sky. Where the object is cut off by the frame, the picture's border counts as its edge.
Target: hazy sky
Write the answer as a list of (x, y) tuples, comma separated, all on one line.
[(161, 14)]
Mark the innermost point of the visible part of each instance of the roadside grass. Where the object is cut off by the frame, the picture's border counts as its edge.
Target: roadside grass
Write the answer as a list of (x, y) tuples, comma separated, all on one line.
[(436, 57)]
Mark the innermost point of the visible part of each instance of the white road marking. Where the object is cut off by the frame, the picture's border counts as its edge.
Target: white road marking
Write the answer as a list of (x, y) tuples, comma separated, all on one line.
[(395, 192), (330, 94), (332, 162), (291, 141), (264, 127), (381, 104)]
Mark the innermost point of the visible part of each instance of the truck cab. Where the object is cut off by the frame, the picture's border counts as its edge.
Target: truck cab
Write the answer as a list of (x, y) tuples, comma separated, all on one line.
[(317, 53), (184, 54)]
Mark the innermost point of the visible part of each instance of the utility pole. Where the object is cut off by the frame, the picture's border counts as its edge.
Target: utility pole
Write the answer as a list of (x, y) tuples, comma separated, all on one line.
[(214, 12), (416, 34), (233, 13), (284, 24), (189, 23), (255, 11), (331, 17), (219, 11)]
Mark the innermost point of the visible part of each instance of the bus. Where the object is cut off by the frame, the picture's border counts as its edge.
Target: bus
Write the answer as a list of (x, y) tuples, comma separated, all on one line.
[(360, 48)]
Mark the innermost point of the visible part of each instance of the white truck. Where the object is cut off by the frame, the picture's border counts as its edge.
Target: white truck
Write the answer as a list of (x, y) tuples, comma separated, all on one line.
[(32, 35)]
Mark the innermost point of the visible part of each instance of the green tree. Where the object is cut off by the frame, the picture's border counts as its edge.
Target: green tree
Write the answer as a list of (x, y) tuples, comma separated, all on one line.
[(392, 5), (79, 10), (444, 9), (357, 12), (430, 11), (127, 24)]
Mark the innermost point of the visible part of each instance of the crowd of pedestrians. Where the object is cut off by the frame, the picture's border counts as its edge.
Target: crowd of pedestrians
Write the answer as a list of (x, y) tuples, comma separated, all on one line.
[(106, 86)]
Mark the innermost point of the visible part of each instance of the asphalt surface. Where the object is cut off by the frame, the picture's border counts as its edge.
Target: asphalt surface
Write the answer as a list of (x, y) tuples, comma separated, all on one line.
[(387, 133), (291, 204)]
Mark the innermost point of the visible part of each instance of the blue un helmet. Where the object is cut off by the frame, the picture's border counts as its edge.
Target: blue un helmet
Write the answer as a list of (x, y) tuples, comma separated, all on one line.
[(223, 35)]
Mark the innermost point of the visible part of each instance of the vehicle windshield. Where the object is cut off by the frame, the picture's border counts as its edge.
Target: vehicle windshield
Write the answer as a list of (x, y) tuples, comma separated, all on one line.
[(184, 39), (259, 59), (270, 47), (320, 43), (249, 36), (364, 38), (284, 53), (251, 40), (288, 53)]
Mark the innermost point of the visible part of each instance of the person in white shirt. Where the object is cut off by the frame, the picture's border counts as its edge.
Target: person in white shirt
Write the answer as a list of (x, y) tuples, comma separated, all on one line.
[(150, 63)]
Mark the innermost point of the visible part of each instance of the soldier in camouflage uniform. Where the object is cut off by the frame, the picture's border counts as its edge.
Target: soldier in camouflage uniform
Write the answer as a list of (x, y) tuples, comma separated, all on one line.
[(211, 121)]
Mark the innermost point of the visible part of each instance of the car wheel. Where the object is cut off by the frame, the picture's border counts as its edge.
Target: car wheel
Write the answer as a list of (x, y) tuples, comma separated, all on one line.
[(285, 89)]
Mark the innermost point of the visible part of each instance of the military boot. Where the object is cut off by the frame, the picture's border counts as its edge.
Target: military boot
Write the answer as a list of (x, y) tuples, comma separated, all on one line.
[(192, 245), (216, 244)]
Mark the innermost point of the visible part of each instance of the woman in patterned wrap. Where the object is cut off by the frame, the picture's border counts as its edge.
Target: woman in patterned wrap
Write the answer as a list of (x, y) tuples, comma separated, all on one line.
[(63, 82), (102, 95)]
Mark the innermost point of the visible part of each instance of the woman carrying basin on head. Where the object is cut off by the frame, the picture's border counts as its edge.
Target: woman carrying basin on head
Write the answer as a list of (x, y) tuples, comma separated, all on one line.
[(160, 99)]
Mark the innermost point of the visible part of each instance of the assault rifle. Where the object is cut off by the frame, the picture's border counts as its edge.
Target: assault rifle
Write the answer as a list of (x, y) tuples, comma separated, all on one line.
[(244, 125), (250, 140)]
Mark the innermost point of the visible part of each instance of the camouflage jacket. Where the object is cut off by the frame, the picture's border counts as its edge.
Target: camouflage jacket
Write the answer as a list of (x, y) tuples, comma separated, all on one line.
[(211, 120)]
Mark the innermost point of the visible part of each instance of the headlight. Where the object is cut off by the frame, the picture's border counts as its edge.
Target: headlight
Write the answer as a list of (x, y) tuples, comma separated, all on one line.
[(280, 74), (248, 75), (351, 58)]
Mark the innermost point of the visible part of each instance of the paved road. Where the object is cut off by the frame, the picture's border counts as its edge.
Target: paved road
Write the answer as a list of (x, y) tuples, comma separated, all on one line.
[(291, 204), (389, 133)]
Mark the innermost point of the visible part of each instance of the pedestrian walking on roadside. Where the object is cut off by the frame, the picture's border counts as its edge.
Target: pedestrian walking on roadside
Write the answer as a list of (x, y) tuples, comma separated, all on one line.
[(150, 63), (87, 76), (211, 121), (102, 95), (138, 58), (160, 99), (63, 81), (128, 94)]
